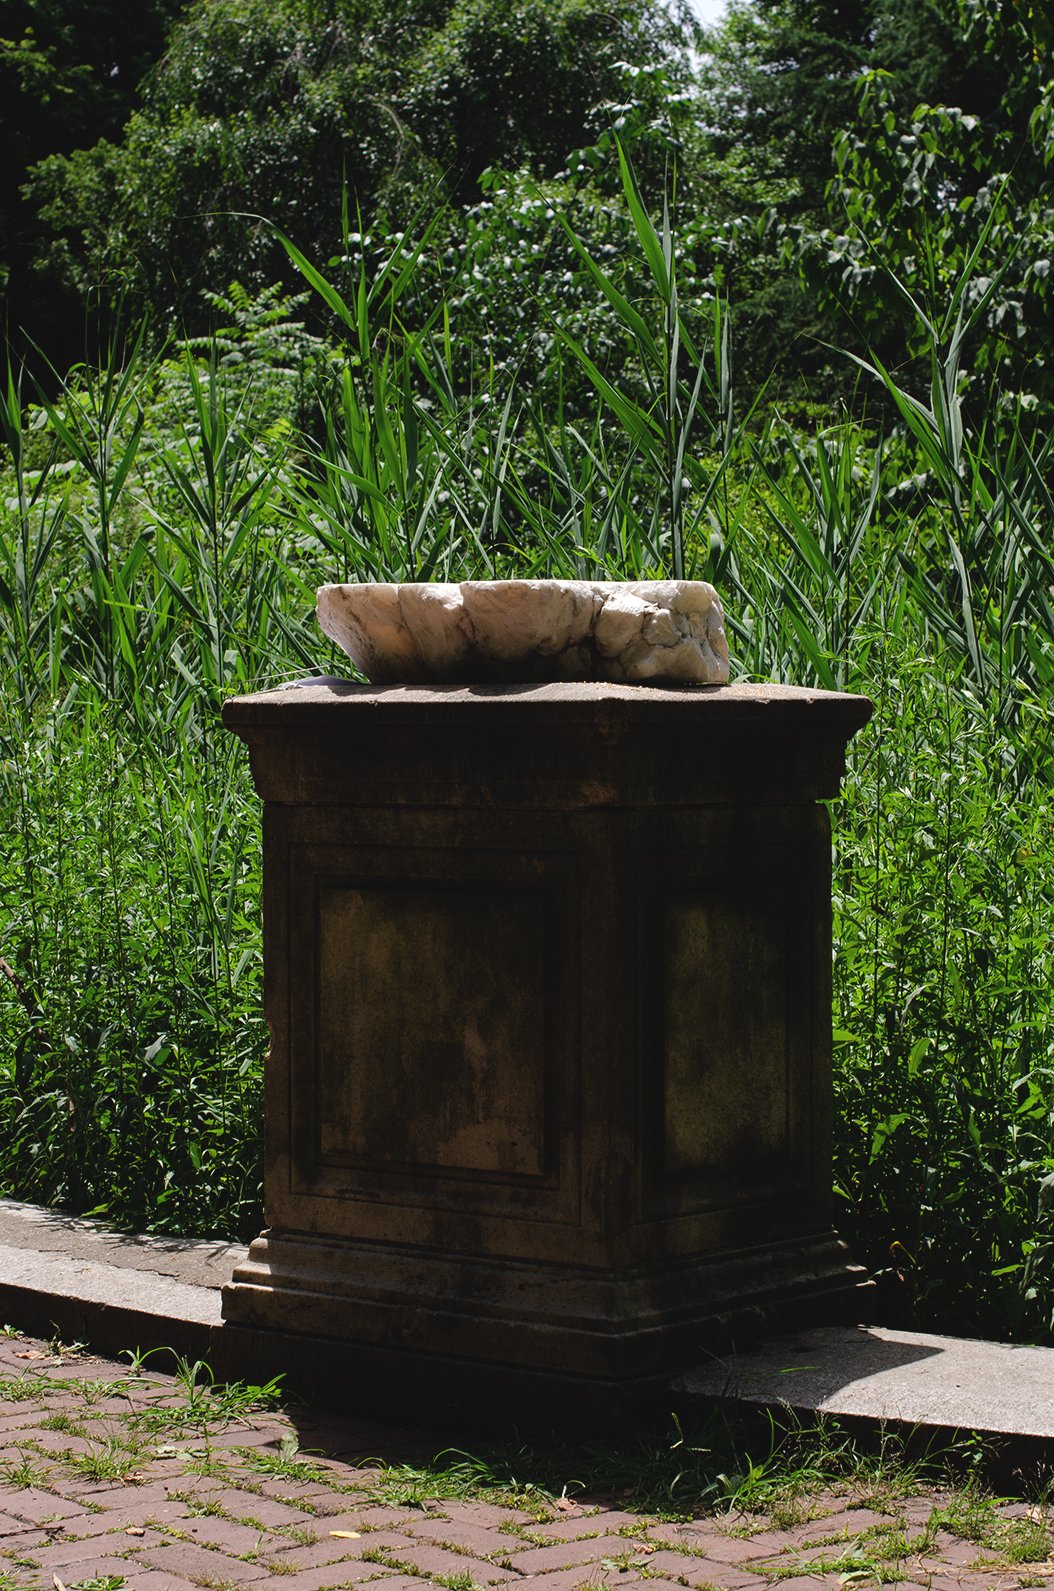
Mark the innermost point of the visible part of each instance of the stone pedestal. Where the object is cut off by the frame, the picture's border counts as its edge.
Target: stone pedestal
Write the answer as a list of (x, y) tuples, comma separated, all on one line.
[(548, 984)]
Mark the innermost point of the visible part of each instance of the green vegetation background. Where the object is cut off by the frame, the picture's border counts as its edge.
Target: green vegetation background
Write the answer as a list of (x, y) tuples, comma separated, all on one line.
[(336, 288)]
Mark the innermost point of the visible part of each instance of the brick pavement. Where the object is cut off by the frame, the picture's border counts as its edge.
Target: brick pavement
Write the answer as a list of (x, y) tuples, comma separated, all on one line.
[(111, 1481)]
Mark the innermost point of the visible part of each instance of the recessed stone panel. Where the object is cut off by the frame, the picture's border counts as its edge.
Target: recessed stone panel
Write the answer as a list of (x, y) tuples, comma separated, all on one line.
[(724, 1022), (432, 1028)]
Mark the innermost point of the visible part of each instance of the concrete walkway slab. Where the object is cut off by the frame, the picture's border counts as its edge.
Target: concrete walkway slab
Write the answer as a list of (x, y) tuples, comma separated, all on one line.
[(205, 1264), (912, 1378), (116, 1291)]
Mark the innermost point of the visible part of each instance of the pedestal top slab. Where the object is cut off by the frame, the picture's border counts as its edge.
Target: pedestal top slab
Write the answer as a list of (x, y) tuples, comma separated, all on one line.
[(316, 700), (557, 745)]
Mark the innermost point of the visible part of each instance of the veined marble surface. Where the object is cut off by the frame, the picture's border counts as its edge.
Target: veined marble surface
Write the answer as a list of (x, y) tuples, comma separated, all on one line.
[(512, 630)]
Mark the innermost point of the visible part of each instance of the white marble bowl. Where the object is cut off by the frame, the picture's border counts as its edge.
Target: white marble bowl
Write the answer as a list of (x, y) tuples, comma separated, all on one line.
[(523, 630)]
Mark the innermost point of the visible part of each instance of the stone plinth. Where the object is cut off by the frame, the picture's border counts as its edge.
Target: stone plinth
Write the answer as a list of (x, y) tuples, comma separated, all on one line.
[(548, 983)]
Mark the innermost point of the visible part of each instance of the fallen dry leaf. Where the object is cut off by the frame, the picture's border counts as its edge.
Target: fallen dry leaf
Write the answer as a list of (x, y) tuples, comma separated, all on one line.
[(565, 1505), (57, 1583), (346, 1535)]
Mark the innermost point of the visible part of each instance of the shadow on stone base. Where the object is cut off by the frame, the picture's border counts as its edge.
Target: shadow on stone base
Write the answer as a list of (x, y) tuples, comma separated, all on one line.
[(436, 1335)]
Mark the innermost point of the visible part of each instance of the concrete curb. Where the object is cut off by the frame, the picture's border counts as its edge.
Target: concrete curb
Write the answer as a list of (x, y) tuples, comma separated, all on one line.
[(75, 1278), (905, 1378)]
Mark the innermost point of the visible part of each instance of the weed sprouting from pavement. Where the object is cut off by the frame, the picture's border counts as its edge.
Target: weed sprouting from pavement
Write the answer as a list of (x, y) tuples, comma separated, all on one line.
[(198, 1401), (24, 1472), (65, 1423), (459, 1581), (111, 1460), (287, 1464)]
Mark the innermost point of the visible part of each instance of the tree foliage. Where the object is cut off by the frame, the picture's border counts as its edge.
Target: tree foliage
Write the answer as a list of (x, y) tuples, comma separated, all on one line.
[(823, 151), (918, 191), (264, 115), (877, 141), (68, 76)]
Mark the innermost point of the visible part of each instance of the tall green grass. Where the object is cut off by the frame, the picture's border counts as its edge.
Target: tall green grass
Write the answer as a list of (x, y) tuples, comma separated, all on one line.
[(943, 1022), (137, 590), (164, 521)]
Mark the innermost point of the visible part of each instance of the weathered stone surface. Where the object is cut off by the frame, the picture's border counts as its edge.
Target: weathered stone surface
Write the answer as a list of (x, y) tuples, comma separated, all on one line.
[(75, 1276), (529, 630), (548, 984), (876, 1373), (36, 1231)]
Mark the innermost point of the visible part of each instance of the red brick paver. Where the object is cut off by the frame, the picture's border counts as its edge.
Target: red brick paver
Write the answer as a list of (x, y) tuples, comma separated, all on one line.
[(106, 1479)]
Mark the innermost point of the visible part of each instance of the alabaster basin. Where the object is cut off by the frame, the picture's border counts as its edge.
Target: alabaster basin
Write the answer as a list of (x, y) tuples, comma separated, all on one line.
[(504, 630)]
